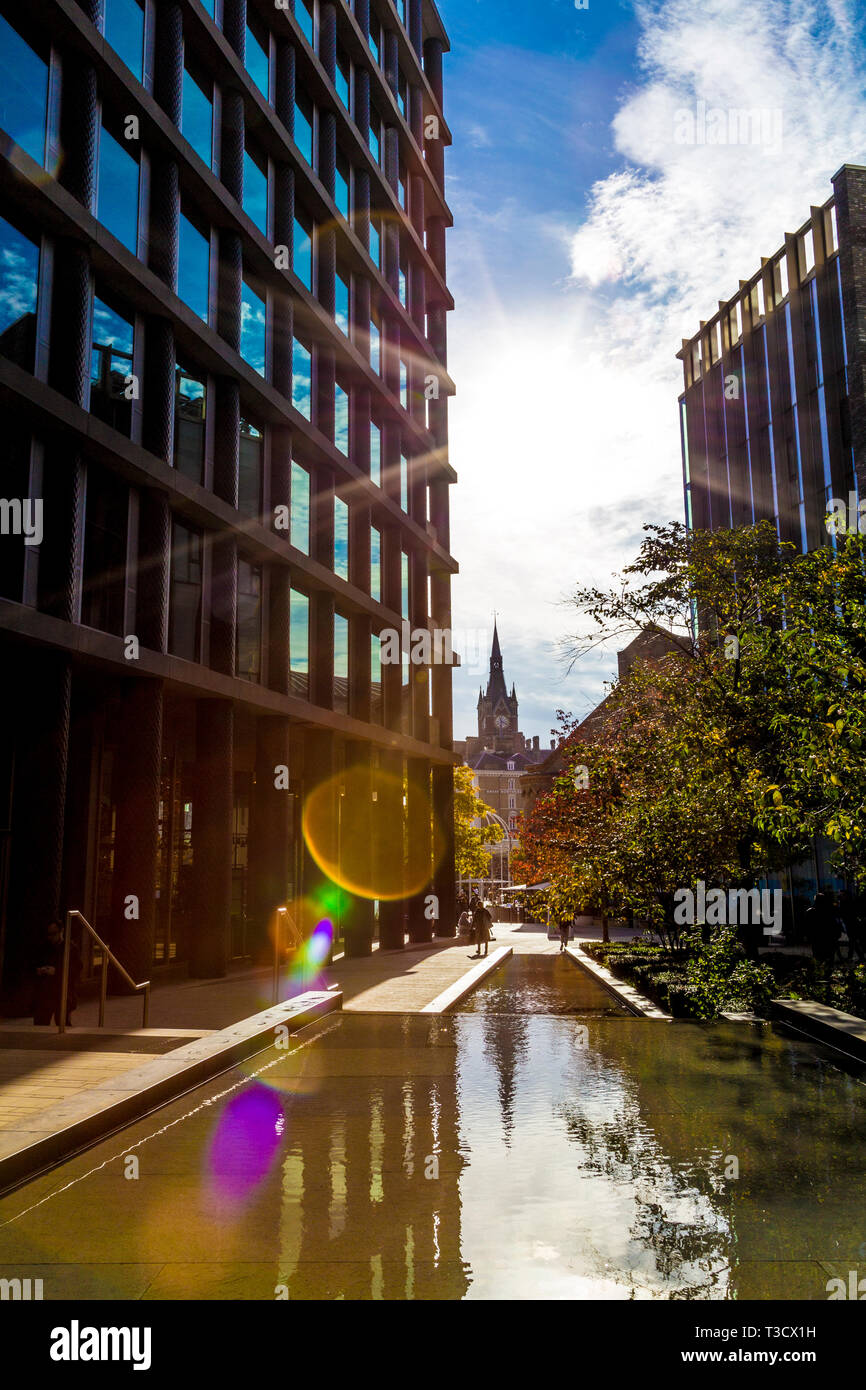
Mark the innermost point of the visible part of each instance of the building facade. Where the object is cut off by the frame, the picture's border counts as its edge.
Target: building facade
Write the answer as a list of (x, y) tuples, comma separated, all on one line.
[(224, 385), (773, 414)]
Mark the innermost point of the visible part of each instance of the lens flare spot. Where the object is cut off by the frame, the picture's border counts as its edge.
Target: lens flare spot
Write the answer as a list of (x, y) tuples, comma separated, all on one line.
[(246, 1139)]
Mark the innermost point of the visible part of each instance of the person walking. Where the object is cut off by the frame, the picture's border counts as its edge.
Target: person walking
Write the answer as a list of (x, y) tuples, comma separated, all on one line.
[(565, 924), (481, 924)]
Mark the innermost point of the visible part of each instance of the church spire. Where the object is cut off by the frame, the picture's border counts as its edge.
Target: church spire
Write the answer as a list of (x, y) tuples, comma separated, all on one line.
[(496, 688)]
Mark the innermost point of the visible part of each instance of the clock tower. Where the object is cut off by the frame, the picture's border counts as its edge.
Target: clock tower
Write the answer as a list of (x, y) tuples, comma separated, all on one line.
[(497, 710)]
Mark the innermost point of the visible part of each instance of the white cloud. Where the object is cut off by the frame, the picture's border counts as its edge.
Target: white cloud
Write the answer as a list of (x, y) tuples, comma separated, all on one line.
[(565, 430)]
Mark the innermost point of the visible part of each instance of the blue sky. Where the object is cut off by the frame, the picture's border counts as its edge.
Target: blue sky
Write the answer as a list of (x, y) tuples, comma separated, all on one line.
[(587, 243)]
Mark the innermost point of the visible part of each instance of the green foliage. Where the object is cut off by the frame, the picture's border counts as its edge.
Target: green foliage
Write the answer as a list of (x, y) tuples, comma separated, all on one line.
[(722, 757), (471, 842)]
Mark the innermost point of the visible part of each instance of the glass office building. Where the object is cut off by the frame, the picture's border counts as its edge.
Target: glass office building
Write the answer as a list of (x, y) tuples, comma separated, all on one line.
[(222, 274)]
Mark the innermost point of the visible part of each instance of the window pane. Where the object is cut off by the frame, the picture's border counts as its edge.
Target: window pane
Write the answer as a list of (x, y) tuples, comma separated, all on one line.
[(19, 277), (375, 347), (257, 62), (376, 454), (404, 584), (189, 424), (373, 138), (117, 198), (299, 534), (299, 643), (341, 304), (404, 385), (104, 567), (184, 624), (250, 475), (375, 244), (404, 482), (249, 628), (193, 271), (197, 118), (302, 379), (341, 663), (342, 79), (302, 258), (23, 92), (341, 539), (304, 131), (255, 202), (304, 16), (341, 192), (375, 564), (110, 364), (376, 678), (401, 286), (124, 30), (185, 602), (253, 319), (341, 419)]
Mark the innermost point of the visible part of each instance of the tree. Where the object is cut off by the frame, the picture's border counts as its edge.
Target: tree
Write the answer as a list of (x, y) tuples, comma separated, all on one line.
[(726, 757), (471, 855)]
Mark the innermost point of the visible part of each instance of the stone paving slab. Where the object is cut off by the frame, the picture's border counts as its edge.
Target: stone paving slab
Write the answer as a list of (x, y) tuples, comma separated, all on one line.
[(37, 1140)]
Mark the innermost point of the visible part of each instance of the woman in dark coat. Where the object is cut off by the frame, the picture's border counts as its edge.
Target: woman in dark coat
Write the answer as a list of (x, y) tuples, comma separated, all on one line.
[(481, 928)]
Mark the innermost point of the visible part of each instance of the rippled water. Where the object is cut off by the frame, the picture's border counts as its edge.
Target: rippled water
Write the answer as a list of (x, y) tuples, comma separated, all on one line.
[(481, 1154)]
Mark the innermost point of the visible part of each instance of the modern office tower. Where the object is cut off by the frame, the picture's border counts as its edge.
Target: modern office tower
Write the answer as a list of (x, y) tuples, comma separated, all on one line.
[(773, 415), (225, 473)]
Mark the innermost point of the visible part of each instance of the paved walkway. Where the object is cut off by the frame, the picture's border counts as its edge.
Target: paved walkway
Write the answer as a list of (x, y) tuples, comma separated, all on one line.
[(39, 1067)]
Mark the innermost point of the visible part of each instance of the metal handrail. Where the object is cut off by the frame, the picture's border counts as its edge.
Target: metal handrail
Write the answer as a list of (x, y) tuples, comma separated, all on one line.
[(107, 956)]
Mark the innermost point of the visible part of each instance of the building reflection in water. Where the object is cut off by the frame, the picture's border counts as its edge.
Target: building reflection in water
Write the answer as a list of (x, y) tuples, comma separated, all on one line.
[(372, 1159)]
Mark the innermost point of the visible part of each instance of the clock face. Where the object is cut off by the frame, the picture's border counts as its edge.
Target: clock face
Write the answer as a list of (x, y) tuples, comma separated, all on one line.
[(501, 721)]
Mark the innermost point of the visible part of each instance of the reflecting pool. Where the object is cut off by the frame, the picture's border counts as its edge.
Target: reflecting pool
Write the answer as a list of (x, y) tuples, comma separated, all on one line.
[(481, 1154)]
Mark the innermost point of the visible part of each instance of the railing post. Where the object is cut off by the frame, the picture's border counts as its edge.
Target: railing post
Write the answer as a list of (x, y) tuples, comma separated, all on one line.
[(277, 924), (103, 989), (146, 1010), (64, 982)]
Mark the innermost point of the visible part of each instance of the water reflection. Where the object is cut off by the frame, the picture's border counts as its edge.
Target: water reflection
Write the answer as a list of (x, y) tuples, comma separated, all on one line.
[(485, 1154)]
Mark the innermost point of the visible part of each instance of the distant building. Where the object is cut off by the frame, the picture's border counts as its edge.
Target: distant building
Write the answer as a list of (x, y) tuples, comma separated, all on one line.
[(650, 644), (773, 412), (500, 757)]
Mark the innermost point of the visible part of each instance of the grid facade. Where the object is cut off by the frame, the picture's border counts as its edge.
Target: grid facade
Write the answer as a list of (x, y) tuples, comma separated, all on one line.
[(224, 379), (772, 415)]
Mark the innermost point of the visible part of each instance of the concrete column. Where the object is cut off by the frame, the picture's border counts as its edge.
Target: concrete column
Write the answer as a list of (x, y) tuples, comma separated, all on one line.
[(328, 38), (420, 840), (388, 849), (269, 843), (443, 849), (433, 51), (235, 25), (212, 839), (320, 766), (41, 705), (283, 311), (356, 848), (137, 790)]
